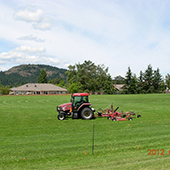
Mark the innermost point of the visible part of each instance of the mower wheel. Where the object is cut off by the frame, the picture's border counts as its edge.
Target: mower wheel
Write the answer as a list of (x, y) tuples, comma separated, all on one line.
[(138, 116), (114, 119), (99, 114), (109, 117), (87, 113), (61, 116), (130, 119)]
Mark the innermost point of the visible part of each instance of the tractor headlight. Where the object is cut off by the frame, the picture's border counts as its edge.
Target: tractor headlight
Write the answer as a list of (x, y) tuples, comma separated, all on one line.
[(93, 109), (59, 108)]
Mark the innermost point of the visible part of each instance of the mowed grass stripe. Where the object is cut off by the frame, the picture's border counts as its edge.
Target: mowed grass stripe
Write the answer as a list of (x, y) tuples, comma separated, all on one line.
[(29, 129)]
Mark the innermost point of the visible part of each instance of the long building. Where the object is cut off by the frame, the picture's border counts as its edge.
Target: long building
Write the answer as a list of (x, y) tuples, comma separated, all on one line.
[(38, 88)]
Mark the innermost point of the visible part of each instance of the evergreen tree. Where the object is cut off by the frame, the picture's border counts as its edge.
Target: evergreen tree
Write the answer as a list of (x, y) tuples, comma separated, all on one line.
[(167, 80), (141, 77), (141, 83), (128, 77), (42, 77), (1, 88), (119, 80), (133, 86), (148, 78), (108, 86), (157, 79)]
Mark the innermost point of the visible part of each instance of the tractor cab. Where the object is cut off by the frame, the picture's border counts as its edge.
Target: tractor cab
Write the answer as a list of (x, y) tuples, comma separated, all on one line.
[(79, 107), (78, 99)]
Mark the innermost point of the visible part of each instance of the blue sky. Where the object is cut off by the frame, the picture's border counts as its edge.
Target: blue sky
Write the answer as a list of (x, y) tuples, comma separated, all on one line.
[(116, 33)]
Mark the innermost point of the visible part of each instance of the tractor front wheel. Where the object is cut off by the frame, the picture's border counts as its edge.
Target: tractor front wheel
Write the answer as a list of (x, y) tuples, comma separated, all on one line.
[(87, 113), (61, 116)]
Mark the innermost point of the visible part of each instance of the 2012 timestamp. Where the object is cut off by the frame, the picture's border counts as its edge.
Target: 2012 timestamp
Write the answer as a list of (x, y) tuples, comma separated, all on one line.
[(157, 152)]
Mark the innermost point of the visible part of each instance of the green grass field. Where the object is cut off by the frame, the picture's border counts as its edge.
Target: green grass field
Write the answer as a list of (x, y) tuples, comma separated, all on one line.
[(32, 138)]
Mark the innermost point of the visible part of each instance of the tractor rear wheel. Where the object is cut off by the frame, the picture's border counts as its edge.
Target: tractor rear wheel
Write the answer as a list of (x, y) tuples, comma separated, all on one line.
[(61, 116), (87, 113)]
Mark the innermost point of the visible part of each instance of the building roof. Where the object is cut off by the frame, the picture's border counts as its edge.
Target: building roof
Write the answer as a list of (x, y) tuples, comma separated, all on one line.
[(118, 86), (38, 87)]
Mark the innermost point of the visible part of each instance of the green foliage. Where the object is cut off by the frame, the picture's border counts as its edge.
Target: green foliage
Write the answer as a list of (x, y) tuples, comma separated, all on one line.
[(42, 77), (4, 90), (133, 88), (162, 86), (148, 82), (128, 77), (30, 130), (0, 88), (108, 86), (119, 80), (89, 76), (157, 79), (54, 81), (148, 76), (130, 86), (75, 87), (61, 83), (167, 80)]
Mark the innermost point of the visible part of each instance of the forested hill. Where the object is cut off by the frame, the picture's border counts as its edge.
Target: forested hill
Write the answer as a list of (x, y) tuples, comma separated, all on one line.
[(29, 73)]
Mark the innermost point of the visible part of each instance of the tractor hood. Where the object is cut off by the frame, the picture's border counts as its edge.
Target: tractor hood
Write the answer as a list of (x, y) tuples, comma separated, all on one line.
[(64, 107)]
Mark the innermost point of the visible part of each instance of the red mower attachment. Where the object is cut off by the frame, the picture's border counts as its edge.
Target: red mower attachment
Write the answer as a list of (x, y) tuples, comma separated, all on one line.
[(114, 115)]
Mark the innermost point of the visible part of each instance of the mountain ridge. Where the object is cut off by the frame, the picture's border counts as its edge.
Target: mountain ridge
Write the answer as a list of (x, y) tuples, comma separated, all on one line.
[(30, 73)]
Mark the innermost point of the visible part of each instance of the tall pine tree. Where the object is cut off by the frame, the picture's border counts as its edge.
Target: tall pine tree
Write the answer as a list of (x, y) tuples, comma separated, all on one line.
[(42, 77)]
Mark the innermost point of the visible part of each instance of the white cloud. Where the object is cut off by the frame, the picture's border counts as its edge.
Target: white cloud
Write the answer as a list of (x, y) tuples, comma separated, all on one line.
[(31, 38), (29, 49), (42, 26), (18, 58), (29, 16), (115, 33), (25, 55), (37, 17)]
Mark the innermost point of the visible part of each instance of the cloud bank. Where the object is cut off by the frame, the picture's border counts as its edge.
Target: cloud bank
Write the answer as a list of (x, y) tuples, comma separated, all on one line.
[(118, 34)]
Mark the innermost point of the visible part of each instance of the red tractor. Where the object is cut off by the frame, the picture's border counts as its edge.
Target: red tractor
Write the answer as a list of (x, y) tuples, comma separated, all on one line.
[(78, 108)]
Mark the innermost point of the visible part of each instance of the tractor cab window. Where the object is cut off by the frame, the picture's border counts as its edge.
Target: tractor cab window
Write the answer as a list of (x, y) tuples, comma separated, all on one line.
[(76, 100), (85, 99)]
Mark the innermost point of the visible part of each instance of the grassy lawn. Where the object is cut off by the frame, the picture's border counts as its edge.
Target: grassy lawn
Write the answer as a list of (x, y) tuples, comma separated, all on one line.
[(31, 137)]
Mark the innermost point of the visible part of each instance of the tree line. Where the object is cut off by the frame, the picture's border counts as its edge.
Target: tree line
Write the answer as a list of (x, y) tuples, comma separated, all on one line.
[(150, 81), (91, 78), (88, 77)]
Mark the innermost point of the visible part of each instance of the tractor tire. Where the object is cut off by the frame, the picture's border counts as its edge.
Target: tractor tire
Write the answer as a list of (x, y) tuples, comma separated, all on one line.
[(61, 116), (114, 119), (87, 113)]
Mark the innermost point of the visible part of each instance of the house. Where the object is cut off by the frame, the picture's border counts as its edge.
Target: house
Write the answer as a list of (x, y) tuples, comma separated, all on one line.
[(118, 87), (38, 88)]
